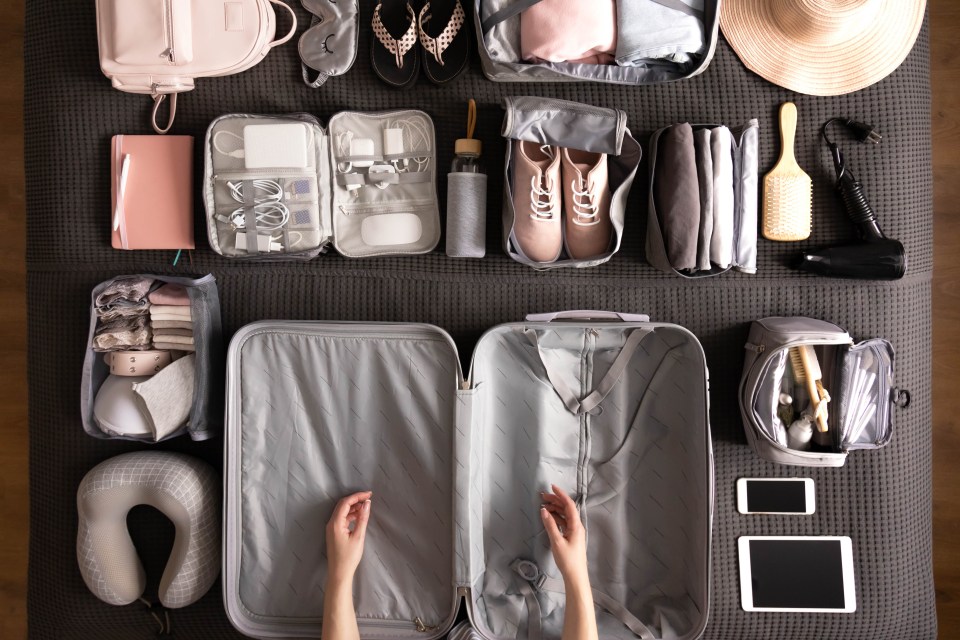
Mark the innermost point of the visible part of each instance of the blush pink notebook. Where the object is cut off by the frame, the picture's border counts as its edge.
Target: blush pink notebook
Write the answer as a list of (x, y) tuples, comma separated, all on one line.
[(151, 180)]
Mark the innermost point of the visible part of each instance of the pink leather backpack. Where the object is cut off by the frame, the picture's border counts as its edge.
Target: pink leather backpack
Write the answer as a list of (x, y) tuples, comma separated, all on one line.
[(158, 47)]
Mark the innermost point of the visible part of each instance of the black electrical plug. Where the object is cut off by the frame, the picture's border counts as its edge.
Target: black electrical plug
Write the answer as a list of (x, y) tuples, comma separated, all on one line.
[(864, 132)]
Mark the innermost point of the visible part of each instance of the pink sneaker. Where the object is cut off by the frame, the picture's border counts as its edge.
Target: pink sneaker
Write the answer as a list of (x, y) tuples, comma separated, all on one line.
[(537, 231), (586, 204)]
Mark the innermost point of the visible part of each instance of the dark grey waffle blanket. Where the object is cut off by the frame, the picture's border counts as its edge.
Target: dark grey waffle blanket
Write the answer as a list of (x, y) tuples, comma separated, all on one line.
[(881, 499)]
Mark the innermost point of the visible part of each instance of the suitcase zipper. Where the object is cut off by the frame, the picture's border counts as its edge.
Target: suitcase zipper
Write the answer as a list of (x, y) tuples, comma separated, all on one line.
[(423, 628)]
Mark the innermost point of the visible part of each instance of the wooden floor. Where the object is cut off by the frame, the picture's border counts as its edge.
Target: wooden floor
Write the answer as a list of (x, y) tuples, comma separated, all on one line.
[(945, 62)]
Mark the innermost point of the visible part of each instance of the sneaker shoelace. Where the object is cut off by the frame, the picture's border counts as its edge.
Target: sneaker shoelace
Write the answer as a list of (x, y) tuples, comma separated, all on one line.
[(541, 199), (584, 208)]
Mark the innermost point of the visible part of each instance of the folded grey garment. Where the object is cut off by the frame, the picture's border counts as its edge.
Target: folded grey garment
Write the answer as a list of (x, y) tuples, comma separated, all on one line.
[(650, 30), (123, 323), (172, 324), (171, 331), (676, 193), (125, 290), (721, 243), (701, 143), (168, 396), (172, 346), (137, 340)]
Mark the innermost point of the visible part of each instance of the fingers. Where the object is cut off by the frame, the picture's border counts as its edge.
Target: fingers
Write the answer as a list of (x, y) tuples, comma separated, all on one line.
[(341, 513), (568, 506), (363, 517), (551, 526)]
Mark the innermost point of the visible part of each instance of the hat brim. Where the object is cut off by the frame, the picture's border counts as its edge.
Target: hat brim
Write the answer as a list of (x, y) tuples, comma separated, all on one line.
[(806, 66)]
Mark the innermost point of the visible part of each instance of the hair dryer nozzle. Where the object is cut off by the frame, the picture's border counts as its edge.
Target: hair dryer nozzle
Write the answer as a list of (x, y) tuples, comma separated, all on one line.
[(883, 259)]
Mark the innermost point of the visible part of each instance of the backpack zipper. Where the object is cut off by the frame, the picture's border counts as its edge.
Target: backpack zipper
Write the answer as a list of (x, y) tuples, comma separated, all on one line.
[(168, 53)]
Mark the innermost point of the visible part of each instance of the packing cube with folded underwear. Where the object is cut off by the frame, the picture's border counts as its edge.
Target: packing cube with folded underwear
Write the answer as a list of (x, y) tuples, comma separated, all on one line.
[(611, 408)]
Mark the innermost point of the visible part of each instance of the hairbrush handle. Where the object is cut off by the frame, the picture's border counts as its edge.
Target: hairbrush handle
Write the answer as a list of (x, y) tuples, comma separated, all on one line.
[(788, 130)]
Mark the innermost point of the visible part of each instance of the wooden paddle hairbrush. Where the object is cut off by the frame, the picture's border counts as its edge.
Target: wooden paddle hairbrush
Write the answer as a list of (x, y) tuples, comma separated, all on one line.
[(806, 370), (787, 189)]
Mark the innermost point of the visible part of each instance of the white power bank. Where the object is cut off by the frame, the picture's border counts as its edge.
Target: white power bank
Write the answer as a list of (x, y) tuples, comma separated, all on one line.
[(276, 146)]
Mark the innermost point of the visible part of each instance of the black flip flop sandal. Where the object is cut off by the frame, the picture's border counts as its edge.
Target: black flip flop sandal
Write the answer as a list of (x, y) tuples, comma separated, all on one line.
[(394, 52), (445, 38)]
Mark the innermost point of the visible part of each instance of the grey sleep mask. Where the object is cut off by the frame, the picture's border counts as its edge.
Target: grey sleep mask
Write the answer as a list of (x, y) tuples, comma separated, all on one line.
[(329, 46)]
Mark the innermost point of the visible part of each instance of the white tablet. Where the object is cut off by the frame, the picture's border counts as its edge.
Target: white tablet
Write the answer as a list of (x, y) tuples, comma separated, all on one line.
[(796, 573)]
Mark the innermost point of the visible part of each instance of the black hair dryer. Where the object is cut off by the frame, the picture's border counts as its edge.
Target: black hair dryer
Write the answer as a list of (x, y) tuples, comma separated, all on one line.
[(876, 257)]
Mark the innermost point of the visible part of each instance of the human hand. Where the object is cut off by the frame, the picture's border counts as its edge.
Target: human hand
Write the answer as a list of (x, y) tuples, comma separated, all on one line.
[(345, 544), (568, 538)]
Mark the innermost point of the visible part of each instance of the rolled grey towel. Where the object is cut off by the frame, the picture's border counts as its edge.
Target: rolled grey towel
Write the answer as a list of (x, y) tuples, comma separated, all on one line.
[(466, 215)]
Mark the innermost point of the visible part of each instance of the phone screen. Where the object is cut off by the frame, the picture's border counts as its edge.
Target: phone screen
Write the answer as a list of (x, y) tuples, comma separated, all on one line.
[(766, 496)]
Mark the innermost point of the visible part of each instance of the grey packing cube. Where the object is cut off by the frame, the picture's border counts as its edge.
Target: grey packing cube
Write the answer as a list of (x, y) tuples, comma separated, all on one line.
[(565, 124), (382, 201), (612, 408), (497, 25), (745, 150), (206, 411), (859, 378)]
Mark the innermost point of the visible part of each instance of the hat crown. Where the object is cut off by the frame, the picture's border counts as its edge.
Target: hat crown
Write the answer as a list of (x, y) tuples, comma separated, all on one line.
[(825, 22)]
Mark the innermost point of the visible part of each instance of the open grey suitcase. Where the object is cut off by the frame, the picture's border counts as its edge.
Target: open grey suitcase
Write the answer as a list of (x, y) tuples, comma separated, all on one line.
[(612, 407)]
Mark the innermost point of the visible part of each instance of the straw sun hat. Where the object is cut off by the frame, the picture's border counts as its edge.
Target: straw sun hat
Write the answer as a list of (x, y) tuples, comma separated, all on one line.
[(822, 47)]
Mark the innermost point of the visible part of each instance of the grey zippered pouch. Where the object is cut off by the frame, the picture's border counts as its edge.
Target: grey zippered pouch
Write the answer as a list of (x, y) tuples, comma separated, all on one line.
[(497, 25), (564, 124), (858, 379), (206, 412), (745, 150)]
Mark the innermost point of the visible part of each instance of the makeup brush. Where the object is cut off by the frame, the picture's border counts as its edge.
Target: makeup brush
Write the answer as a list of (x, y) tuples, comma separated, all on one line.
[(787, 189), (806, 370)]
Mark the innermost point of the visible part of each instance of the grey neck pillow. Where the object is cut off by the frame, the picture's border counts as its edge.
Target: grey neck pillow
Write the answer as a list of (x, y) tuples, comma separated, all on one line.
[(184, 489), (329, 46)]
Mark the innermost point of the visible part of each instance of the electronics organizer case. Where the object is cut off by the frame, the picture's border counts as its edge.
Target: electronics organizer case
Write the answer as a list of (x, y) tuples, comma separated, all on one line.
[(325, 211), (614, 411)]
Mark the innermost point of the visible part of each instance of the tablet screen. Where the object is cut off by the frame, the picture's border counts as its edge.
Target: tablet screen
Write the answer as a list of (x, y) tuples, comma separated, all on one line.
[(797, 574)]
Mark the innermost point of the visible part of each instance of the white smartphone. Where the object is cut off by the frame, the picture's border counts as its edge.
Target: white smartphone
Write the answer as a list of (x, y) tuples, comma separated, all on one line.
[(796, 573), (775, 496)]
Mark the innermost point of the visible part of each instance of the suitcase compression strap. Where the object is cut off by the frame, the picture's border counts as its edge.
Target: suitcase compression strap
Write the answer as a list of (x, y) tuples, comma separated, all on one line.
[(534, 580), (593, 399)]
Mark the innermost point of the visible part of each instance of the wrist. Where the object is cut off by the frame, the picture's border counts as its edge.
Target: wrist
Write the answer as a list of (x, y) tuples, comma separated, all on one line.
[(576, 580), (340, 580)]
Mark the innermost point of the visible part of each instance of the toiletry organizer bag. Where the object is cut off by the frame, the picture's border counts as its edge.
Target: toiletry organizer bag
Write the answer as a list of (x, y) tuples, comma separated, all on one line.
[(573, 125), (497, 25), (206, 413), (745, 149), (611, 407), (858, 377), (158, 47), (387, 208)]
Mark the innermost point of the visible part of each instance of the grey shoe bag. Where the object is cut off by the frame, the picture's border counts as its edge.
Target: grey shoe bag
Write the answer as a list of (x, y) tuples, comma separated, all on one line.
[(389, 208), (498, 42), (206, 412), (746, 202), (562, 123), (614, 408), (854, 374)]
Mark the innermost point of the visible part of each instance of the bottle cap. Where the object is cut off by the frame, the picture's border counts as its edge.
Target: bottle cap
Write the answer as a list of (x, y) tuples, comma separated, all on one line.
[(467, 146)]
